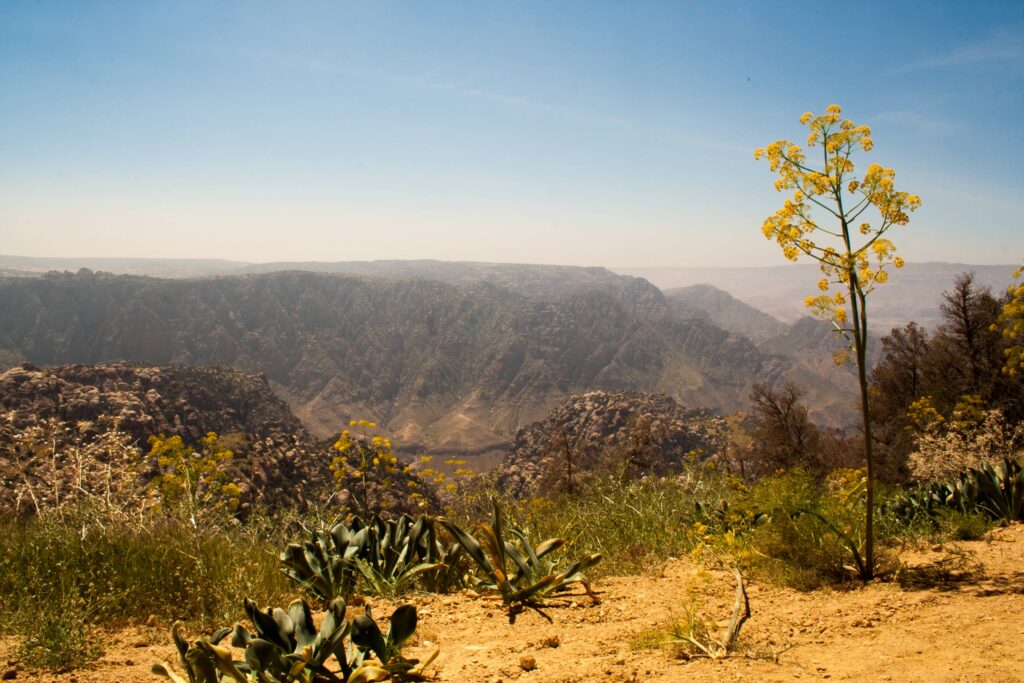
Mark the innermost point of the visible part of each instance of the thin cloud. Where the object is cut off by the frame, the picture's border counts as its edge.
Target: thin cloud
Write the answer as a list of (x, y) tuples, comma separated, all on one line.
[(914, 119), (654, 133), (998, 48)]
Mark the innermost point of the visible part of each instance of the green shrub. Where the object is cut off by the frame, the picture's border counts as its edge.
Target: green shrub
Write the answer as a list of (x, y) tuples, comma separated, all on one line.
[(797, 530), (962, 526)]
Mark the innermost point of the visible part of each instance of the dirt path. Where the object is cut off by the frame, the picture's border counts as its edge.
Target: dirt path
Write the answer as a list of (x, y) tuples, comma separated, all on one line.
[(959, 617)]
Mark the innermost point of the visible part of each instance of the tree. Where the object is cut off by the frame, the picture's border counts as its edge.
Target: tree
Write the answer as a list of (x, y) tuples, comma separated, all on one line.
[(962, 361), (970, 313), (783, 436), (852, 257), (563, 472), (902, 377)]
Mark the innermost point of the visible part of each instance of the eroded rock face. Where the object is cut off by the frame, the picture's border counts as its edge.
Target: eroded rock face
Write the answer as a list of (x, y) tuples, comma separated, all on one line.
[(457, 364), (626, 434), (276, 462), (145, 400)]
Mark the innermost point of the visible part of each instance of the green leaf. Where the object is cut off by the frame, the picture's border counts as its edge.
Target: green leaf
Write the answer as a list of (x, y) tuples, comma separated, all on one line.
[(490, 543), (470, 545), (529, 592), (165, 671), (222, 660), (305, 630), (179, 641), (220, 634), (366, 634), (403, 624), (550, 545), (499, 537), (240, 637), (368, 673), (525, 568), (201, 664), (263, 655), (273, 624)]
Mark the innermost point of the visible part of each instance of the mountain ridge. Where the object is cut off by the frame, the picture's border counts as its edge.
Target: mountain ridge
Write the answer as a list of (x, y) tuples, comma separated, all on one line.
[(451, 367)]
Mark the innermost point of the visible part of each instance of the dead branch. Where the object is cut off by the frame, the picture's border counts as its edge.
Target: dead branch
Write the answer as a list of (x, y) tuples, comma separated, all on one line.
[(740, 613)]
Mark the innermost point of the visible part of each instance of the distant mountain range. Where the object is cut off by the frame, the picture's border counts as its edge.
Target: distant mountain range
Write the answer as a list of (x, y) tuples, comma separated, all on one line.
[(453, 356), (30, 266), (724, 310), (912, 293), (449, 357)]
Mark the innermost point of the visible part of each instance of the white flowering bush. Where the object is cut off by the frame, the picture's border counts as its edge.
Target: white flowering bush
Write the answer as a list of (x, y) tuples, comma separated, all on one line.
[(946, 450)]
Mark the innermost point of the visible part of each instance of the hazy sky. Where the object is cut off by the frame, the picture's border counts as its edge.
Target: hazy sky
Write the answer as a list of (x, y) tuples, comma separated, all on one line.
[(617, 134)]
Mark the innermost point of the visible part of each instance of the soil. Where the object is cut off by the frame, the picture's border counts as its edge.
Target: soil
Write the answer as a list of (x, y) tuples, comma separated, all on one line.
[(953, 613)]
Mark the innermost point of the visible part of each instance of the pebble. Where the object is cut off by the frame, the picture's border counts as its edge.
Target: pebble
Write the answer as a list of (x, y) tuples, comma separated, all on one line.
[(527, 663)]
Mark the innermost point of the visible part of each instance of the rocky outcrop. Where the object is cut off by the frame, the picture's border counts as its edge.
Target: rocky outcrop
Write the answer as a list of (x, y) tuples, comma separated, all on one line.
[(145, 400), (623, 434), (76, 409)]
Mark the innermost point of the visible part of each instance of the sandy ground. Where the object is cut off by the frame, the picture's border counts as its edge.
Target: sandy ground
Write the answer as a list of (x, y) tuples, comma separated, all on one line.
[(958, 616)]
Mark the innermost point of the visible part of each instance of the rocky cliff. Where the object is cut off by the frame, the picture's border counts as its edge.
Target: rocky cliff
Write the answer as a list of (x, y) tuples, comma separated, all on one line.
[(455, 367), (621, 434), (62, 421)]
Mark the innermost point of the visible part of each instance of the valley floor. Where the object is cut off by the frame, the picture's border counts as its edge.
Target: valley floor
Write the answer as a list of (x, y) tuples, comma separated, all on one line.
[(957, 614)]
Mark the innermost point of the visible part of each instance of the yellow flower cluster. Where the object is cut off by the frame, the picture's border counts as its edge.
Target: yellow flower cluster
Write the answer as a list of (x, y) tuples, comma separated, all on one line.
[(438, 477), (831, 307), (832, 188), (364, 458), (198, 478), (1011, 320)]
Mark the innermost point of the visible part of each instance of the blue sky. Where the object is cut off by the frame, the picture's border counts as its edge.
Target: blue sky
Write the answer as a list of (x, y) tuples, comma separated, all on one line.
[(617, 134)]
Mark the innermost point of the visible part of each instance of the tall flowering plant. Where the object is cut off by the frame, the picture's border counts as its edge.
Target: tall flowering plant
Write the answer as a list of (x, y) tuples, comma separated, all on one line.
[(840, 220)]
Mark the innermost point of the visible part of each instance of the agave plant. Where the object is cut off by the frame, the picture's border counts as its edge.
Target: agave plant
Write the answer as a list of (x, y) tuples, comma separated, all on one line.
[(324, 565), (388, 555), (395, 554), (1001, 489), (534, 577), (449, 560), (203, 660), (286, 647), (997, 490), (283, 640)]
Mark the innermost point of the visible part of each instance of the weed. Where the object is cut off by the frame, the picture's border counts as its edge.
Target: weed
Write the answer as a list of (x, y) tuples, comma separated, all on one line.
[(59, 638), (693, 636)]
